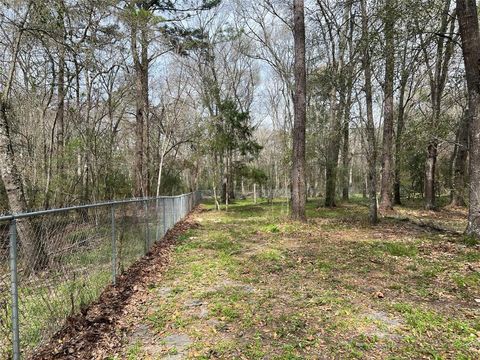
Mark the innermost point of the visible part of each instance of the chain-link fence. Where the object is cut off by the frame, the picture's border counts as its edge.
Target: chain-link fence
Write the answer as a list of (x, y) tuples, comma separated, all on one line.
[(54, 262)]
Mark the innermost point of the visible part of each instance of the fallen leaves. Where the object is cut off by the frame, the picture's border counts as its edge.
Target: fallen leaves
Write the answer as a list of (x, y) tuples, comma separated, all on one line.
[(98, 330)]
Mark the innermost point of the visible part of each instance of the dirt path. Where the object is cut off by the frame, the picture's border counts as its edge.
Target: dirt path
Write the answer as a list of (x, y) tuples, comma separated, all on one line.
[(249, 284)]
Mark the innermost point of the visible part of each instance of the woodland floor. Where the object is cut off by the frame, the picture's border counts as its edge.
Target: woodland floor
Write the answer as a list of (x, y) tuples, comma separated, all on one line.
[(250, 284)]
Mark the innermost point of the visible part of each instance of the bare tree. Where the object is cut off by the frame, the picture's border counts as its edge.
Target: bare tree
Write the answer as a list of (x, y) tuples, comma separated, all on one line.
[(32, 243), (438, 73)]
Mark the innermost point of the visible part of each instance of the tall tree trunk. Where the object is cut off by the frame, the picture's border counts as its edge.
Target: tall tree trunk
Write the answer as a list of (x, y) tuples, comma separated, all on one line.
[(146, 112), (444, 52), (370, 125), (398, 139), (349, 76), (337, 111), (224, 182), (60, 114), (60, 125), (346, 144), (231, 177), (298, 159), (387, 161), (469, 32), (333, 149), (459, 178), (141, 103), (430, 169)]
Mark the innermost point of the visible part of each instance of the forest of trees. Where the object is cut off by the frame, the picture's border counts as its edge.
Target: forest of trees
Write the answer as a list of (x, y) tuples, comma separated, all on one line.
[(328, 99)]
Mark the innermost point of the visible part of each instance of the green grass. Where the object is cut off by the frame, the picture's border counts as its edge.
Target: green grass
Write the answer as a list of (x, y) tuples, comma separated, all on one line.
[(269, 286), (278, 288), (470, 241), (135, 351), (397, 249)]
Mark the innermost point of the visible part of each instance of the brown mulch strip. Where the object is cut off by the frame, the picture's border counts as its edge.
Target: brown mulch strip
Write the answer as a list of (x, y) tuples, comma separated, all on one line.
[(94, 332)]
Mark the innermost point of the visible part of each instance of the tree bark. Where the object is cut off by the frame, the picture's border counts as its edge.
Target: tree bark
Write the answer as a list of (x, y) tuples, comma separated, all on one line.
[(398, 139), (337, 111), (333, 150), (141, 65), (370, 125), (387, 161), (430, 169), (459, 178), (346, 145), (298, 159), (146, 111), (444, 52), (60, 114), (469, 32)]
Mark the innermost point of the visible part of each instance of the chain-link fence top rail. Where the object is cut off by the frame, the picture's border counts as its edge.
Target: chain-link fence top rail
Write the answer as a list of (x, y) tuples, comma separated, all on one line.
[(54, 262)]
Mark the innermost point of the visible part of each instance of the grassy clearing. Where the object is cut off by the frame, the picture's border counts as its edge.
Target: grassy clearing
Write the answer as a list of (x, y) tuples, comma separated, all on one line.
[(251, 284)]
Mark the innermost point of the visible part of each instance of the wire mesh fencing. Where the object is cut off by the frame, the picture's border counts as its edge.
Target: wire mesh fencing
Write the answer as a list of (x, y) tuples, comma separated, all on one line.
[(55, 262)]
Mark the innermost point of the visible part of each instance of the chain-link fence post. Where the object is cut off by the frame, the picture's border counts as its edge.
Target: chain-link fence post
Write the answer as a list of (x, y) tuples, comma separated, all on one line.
[(14, 290), (114, 246)]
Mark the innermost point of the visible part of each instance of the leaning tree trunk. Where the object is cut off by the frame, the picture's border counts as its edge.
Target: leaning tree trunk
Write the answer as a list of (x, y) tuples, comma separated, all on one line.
[(387, 160), (31, 242), (300, 107), (469, 32), (459, 177)]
